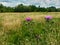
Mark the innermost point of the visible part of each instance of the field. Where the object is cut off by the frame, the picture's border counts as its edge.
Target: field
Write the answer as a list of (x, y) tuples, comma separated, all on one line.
[(15, 30)]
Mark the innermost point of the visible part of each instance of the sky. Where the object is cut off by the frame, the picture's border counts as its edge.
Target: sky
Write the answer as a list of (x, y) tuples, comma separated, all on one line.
[(41, 3)]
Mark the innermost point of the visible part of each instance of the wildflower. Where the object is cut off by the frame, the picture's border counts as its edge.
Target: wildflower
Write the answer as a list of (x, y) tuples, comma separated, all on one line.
[(48, 17), (28, 19)]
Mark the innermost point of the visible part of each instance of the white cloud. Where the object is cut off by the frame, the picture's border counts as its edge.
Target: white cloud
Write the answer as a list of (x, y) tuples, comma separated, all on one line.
[(42, 3)]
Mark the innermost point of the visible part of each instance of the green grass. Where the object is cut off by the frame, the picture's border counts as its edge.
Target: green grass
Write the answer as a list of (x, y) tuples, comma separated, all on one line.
[(15, 30)]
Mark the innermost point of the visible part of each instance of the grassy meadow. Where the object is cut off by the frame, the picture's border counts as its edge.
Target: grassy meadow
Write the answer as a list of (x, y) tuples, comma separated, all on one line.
[(15, 30)]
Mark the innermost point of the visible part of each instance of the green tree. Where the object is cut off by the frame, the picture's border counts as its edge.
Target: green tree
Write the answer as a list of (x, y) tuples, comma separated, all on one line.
[(51, 9)]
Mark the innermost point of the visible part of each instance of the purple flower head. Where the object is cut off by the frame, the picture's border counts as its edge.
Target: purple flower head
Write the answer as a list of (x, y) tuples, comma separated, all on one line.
[(28, 19), (48, 17)]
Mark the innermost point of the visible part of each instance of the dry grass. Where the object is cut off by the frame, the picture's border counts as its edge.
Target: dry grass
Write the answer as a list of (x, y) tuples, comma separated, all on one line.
[(11, 20)]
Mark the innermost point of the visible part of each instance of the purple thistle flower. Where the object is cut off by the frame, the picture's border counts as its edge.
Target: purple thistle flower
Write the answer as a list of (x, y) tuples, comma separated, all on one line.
[(48, 17), (28, 19)]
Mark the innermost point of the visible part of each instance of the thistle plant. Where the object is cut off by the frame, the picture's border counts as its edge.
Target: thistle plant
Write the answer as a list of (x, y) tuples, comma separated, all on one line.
[(48, 18), (28, 19), (27, 28), (49, 27)]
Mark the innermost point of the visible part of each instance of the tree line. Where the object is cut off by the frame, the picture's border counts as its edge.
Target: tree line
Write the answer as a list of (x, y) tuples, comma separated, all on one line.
[(30, 8)]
